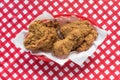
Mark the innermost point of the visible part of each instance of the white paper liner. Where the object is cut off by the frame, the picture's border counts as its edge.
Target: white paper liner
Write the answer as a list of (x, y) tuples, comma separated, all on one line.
[(76, 57)]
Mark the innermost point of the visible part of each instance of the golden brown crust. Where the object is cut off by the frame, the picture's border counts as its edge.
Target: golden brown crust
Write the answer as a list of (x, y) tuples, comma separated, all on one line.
[(40, 37), (77, 38), (85, 28), (88, 41), (62, 48), (46, 35), (79, 24)]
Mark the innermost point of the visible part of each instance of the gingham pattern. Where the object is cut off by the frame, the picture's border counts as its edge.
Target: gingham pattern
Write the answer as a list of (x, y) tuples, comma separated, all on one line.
[(16, 65)]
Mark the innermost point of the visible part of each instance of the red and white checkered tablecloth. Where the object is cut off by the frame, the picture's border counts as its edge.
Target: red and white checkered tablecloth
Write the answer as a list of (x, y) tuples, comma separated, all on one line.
[(16, 65)]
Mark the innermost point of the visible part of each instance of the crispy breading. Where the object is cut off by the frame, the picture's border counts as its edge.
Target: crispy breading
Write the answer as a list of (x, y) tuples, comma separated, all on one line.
[(50, 35), (88, 41), (40, 37), (79, 24), (72, 41), (86, 29), (62, 48)]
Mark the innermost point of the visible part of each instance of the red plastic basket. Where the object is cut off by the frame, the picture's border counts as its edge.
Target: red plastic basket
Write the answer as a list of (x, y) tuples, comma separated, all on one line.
[(65, 15)]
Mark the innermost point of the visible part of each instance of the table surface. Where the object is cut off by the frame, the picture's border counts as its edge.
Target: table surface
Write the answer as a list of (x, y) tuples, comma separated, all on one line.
[(17, 65)]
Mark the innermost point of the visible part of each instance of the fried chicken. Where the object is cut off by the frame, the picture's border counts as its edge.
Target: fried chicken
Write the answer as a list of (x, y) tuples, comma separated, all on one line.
[(86, 28), (40, 37), (73, 40), (90, 33), (60, 37)]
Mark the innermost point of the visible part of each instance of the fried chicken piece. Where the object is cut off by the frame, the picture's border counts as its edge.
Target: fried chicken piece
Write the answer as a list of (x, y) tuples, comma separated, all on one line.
[(86, 28), (63, 47), (40, 37), (88, 41)]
